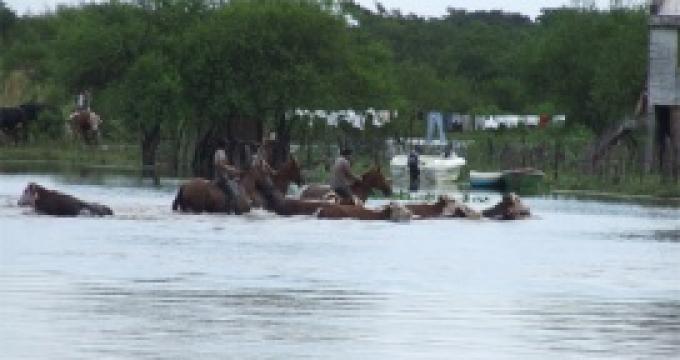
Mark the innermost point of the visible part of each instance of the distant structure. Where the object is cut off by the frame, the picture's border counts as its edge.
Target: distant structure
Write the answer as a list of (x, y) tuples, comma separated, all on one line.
[(622, 4), (663, 88), (583, 4)]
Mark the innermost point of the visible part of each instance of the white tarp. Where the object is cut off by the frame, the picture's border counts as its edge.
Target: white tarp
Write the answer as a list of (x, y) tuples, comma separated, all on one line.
[(355, 118)]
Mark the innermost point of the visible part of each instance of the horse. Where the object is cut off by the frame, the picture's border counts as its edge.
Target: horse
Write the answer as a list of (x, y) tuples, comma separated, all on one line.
[(289, 172), (443, 207), (202, 195), (14, 120), (371, 179), (51, 202), (393, 212), (509, 208), (86, 124), (275, 200)]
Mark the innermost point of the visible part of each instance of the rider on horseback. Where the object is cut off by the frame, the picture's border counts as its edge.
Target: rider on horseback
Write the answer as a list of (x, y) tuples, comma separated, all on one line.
[(83, 101), (224, 173), (342, 177)]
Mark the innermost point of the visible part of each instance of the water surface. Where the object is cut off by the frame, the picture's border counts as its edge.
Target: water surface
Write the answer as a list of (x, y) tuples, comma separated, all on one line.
[(583, 279)]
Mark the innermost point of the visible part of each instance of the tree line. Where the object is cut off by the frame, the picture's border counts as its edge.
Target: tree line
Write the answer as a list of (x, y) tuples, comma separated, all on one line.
[(186, 69)]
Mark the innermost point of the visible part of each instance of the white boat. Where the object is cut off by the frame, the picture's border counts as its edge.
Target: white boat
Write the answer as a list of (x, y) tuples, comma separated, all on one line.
[(436, 168)]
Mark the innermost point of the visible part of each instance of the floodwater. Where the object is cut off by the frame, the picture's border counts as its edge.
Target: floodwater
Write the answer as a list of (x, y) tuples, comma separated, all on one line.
[(582, 280)]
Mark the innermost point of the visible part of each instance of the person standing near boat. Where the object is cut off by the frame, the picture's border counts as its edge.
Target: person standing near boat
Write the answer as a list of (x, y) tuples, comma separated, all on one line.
[(414, 170)]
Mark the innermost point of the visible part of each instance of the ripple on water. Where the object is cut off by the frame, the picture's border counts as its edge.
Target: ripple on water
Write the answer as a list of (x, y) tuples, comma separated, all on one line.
[(583, 279)]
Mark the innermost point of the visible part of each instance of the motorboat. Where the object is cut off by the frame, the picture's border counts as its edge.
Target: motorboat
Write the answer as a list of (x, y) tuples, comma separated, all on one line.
[(523, 180), (486, 180), (439, 164)]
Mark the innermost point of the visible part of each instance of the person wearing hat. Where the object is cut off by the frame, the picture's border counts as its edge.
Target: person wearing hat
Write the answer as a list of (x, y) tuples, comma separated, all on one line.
[(342, 177)]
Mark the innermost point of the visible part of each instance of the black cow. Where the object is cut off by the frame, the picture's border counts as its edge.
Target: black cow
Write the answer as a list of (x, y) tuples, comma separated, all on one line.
[(14, 120)]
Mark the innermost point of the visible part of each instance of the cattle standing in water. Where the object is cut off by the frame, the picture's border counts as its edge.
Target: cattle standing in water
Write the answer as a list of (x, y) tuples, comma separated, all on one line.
[(52, 202)]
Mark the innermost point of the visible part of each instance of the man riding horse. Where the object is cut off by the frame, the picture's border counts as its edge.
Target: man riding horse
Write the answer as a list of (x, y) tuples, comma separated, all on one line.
[(224, 174), (342, 177), (83, 121)]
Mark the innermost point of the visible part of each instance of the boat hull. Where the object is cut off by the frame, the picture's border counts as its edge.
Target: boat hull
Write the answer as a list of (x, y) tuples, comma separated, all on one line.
[(486, 180)]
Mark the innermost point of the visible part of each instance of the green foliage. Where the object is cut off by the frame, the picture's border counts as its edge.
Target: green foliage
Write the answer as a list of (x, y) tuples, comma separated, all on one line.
[(152, 94), (595, 81), (186, 66), (7, 20)]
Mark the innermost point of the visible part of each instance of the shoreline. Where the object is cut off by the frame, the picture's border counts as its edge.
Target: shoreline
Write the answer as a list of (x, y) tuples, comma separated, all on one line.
[(615, 196)]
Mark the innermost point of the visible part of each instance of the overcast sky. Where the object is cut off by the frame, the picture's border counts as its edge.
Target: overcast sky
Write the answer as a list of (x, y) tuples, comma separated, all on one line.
[(420, 7)]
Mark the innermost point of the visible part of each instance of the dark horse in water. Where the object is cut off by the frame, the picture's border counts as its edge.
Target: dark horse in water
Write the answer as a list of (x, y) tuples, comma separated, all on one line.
[(510, 207), (51, 202), (201, 195), (371, 179), (289, 172), (392, 212), (444, 207), (14, 120)]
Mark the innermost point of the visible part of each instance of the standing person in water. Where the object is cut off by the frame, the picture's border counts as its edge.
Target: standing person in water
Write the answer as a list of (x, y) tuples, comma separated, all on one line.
[(342, 177), (414, 170)]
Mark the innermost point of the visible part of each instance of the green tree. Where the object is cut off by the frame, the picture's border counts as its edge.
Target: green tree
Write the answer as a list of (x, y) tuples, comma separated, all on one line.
[(151, 102), (7, 20), (259, 59)]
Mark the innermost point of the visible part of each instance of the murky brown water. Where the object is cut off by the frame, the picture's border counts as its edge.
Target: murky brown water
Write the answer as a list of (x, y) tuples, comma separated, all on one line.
[(585, 279)]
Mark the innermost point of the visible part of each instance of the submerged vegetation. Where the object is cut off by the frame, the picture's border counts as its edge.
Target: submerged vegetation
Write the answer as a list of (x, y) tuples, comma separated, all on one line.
[(170, 75)]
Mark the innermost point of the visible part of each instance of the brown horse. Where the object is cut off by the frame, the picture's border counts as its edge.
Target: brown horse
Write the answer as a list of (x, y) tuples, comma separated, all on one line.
[(51, 202), (371, 179), (85, 124), (444, 207), (200, 195), (393, 212), (289, 172), (275, 201), (510, 208)]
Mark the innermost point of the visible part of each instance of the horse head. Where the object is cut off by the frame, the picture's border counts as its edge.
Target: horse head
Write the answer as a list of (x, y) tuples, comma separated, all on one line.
[(30, 195), (374, 178), (398, 212), (294, 171)]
